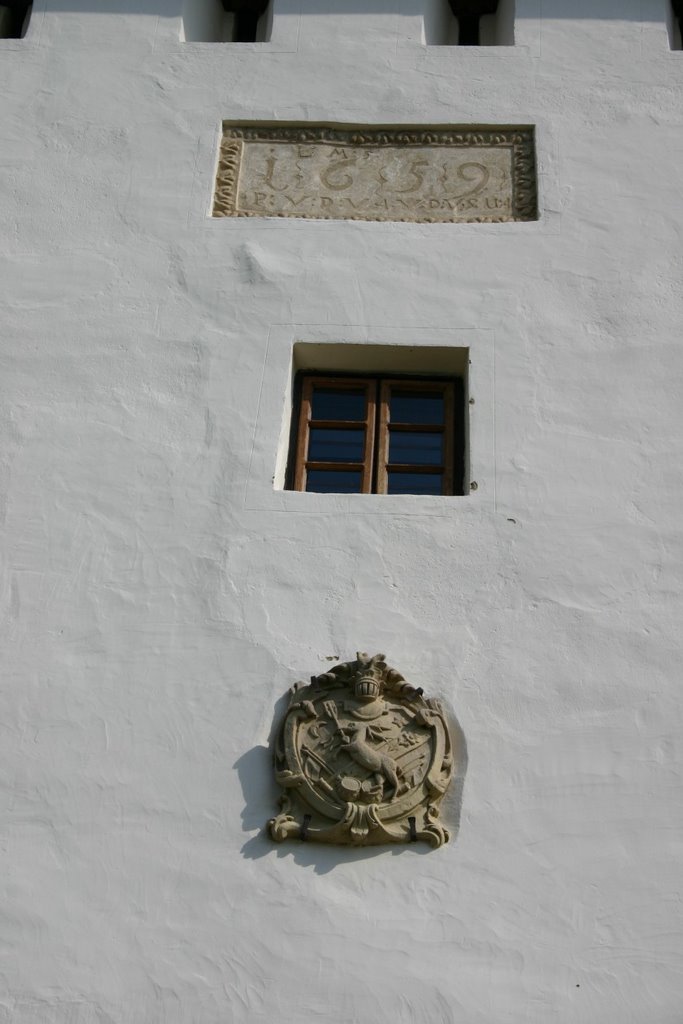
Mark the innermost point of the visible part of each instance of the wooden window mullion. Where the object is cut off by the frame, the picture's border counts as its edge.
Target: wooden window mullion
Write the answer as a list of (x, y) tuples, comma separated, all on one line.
[(383, 437), (304, 434), (369, 444), (448, 437)]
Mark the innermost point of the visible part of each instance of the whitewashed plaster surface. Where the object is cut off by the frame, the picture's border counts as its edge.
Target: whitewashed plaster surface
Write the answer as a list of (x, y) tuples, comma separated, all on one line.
[(159, 596)]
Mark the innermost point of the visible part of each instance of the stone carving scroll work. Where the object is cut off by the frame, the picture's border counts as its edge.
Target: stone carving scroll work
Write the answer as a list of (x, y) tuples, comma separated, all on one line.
[(363, 758)]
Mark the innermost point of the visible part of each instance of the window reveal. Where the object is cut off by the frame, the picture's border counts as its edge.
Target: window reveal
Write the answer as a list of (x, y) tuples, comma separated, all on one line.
[(382, 435)]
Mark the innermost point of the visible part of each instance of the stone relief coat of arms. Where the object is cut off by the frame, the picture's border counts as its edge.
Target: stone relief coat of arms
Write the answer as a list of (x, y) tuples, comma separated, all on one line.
[(363, 758)]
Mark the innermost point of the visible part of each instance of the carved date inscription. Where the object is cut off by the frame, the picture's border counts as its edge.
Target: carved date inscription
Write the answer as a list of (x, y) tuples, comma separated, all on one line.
[(379, 174)]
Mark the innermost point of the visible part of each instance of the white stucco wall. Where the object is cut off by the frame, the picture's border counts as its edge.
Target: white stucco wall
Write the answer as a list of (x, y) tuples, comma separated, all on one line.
[(159, 595)]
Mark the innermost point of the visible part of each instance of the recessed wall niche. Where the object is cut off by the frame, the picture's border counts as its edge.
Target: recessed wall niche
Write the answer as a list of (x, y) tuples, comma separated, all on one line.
[(15, 16), (226, 21), (469, 22)]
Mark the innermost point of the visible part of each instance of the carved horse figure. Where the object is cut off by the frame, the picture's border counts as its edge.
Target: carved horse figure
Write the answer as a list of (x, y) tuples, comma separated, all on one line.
[(354, 742)]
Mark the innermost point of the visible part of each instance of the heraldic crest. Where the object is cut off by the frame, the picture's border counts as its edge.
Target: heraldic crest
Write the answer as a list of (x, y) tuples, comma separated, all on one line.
[(363, 758)]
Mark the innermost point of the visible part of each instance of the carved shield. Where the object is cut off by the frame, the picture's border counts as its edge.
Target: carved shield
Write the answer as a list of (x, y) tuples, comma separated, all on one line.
[(362, 758)]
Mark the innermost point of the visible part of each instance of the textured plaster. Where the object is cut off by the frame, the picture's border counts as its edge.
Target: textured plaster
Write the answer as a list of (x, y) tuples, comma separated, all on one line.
[(159, 595)]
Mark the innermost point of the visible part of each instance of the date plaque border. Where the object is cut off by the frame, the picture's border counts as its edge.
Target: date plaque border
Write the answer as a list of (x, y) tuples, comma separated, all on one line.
[(519, 138)]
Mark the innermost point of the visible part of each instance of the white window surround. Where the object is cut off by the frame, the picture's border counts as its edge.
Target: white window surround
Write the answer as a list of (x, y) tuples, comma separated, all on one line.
[(293, 347)]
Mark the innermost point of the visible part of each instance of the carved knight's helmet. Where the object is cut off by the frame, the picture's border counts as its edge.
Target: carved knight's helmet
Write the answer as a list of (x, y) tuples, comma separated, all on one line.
[(370, 673)]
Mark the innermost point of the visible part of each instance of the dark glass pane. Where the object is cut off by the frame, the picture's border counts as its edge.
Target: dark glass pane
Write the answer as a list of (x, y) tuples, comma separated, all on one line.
[(335, 445), (414, 483), (328, 404), (416, 407), (333, 481), (417, 449)]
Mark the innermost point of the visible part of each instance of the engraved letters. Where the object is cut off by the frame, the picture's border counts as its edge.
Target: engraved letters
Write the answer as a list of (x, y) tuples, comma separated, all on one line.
[(455, 174)]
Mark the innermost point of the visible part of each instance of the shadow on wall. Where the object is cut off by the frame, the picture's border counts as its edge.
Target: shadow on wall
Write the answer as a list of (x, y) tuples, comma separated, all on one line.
[(261, 795)]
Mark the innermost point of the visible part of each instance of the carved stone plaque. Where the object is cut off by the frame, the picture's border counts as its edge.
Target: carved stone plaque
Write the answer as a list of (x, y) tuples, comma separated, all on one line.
[(396, 174), (363, 758)]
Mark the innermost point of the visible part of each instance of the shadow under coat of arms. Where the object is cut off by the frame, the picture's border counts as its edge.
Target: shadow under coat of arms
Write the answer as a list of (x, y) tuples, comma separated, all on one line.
[(363, 758)]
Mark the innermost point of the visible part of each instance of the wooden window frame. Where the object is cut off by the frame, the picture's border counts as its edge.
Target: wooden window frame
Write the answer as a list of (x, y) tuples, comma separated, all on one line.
[(306, 421), (377, 425), (447, 467)]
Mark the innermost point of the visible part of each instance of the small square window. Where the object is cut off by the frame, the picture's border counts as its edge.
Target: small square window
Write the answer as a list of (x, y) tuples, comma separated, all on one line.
[(378, 435)]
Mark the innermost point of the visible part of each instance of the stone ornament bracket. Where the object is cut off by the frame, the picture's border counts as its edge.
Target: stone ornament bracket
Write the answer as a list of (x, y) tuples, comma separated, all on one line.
[(456, 174), (363, 758)]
